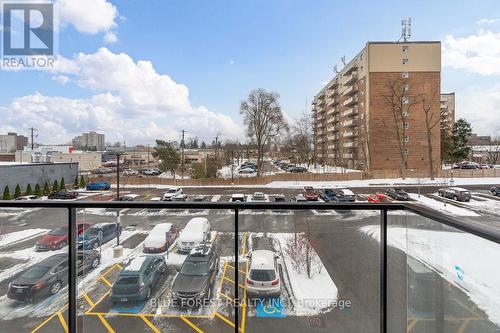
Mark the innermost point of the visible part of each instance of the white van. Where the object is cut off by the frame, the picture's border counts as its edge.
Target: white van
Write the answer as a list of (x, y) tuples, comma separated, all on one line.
[(197, 230)]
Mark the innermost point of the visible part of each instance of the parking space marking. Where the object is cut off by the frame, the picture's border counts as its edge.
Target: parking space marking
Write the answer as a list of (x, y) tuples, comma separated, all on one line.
[(44, 323), (190, 323), (106, 281), (150, 324), (63, 321), (411, 325), (87, 298), (227, 321), (105, 323), (464, 325)]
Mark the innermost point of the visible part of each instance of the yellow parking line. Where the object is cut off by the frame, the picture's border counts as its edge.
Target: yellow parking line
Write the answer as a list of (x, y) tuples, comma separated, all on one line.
[(227, 297), (232, 281), (150, 324), (99, 301), (227, 321), (106, 281), (243, 248), (119, 266), (244, 313), (411, 325), (105, 323), (239, 270), (45, 322), (464, 325), (190, 323), (63, 322), (147, 315), (110, 269), (87, 298), (223, 274)]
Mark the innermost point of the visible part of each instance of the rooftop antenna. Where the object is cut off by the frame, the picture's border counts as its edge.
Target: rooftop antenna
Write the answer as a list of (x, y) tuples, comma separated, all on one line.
[(336, 69), (405, 29)]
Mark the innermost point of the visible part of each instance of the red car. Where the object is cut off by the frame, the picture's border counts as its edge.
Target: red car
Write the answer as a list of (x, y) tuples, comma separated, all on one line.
[(310, 194), (57, 238)]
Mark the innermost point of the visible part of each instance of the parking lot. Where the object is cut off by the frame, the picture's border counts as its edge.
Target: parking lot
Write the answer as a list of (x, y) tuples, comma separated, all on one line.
[(345, 279)]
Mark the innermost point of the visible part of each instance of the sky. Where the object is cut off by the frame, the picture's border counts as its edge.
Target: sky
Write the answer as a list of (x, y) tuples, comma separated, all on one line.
[(140, 70)]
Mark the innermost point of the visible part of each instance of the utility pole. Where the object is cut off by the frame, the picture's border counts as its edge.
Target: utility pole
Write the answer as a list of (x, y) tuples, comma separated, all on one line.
[(148, 155), (182, 154)]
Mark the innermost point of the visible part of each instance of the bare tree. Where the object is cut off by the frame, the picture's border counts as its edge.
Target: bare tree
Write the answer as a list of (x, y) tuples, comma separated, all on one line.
[(493, 151), (432, 119), (301, 138), (400, 103), (264, 119)]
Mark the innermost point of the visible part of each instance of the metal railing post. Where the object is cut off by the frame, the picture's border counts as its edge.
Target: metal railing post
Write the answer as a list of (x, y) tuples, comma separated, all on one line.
[(236, 269), (383, 270), (72, 271)]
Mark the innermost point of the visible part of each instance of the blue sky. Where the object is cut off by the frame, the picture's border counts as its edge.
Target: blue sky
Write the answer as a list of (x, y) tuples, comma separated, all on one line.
[(220, 50)]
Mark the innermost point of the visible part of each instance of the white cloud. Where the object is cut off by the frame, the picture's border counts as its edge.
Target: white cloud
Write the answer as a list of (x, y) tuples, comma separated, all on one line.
[(481, 107), (231, 62), (88, 16), (486, 21), (132, 102), (110, 37), (478, 53)]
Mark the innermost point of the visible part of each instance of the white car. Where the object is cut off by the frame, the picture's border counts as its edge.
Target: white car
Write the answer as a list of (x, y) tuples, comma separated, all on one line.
[(160, 238), (263, 278), (197, 231), (180, 197), (237, 197), (28, 197), (171, 193), (130, 172)]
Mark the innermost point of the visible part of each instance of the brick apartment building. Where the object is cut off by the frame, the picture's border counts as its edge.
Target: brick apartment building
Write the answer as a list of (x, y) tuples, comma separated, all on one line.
[(370, 116)]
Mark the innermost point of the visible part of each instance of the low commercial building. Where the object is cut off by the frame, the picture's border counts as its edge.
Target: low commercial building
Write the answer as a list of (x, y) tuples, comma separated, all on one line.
[(11, 142), (13, 174), (87, 161)]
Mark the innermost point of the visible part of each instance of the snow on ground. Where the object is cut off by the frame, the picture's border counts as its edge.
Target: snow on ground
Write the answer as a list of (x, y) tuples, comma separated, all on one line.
[(311, 296), (19, 236), (327, 169), (440, 206), (169, 175), (452, 256)]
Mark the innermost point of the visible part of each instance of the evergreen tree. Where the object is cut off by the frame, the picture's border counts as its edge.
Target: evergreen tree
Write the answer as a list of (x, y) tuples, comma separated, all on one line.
[(462, 131), (203, 145), (62, 186), (46, 188), (82, 182), (6, 193), (17, 191), (29, 190), (38, 190), (76, 184), (55, 186)]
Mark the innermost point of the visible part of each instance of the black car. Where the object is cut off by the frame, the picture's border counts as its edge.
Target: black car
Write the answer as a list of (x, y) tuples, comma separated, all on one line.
[(63, 195), (193, 286), (49, 276), (296, 169), (398, 194), (495, 190), (455, 193)]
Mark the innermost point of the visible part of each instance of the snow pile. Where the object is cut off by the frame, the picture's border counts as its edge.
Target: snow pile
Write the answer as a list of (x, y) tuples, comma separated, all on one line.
[(440, 206), (467, 261), (19, 236), (327, 169)]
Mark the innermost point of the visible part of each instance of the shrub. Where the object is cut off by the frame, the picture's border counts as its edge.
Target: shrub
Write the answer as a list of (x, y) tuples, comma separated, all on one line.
[(82, 182), (46, 189), (55, 186), (76, 184), (17, 191), (6, 193), (38, 190), (29, 190), (63, 185)]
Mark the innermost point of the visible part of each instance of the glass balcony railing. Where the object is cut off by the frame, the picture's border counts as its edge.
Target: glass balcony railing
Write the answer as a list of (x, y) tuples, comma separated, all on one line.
[(258, 266)]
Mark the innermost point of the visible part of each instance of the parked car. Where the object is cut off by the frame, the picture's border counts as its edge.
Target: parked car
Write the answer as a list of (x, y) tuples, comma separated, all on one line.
[(495, 190), (28, 197), (299, 198), (98, 186), (180, 198), (151, 172), (328, 195), (130, 172), (58, 238), (127, 197), (160, 238), (49, 276), (258, 197), (200, 198), (247, 171), (398, 194), (194, 284), (237, 197), (171, 193), (196, 231), (310, 194), (136, 280), (63, 195), (97, 235), (297, 169), (345, 195), (263, 278), (455, 193), (279, 198)]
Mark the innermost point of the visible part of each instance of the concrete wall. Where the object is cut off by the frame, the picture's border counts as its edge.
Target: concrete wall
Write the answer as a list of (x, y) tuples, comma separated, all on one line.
[(24, 174)]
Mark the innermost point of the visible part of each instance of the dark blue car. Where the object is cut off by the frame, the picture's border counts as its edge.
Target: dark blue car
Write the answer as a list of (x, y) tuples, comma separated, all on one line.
[(97, 235), (98, 186), (328, 195)]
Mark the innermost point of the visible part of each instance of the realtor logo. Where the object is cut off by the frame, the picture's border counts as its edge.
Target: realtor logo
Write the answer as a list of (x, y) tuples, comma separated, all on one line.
[(28, 35)]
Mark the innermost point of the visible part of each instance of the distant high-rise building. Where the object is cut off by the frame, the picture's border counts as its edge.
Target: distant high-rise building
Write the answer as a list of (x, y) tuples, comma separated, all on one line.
[(11, 142), (447, 111), (370, 115), (90, 141)]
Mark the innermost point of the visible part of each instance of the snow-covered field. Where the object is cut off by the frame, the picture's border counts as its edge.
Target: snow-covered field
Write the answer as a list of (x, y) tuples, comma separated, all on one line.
[(441, 206), (452, 255), (18, 236)]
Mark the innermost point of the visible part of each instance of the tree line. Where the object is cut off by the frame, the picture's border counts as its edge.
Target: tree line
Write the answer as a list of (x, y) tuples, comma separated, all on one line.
[(39, 191)]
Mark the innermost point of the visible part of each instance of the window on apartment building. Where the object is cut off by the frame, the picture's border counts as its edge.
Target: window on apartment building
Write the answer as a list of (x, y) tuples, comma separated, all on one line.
[(405, 114), (362, 92), (362, 104), (406, 125), (405, 152), (405, 99), (405, 75), (405, 87), (406, 139), (405, 48), (405, 61)]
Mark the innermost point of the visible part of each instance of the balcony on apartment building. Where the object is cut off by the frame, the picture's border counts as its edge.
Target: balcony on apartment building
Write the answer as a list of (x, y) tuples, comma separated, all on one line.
[(351, 111), (350, 101), (350, 122), (333, 101), (350, 90), (348, 134), (351, 76), (332, 111)]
